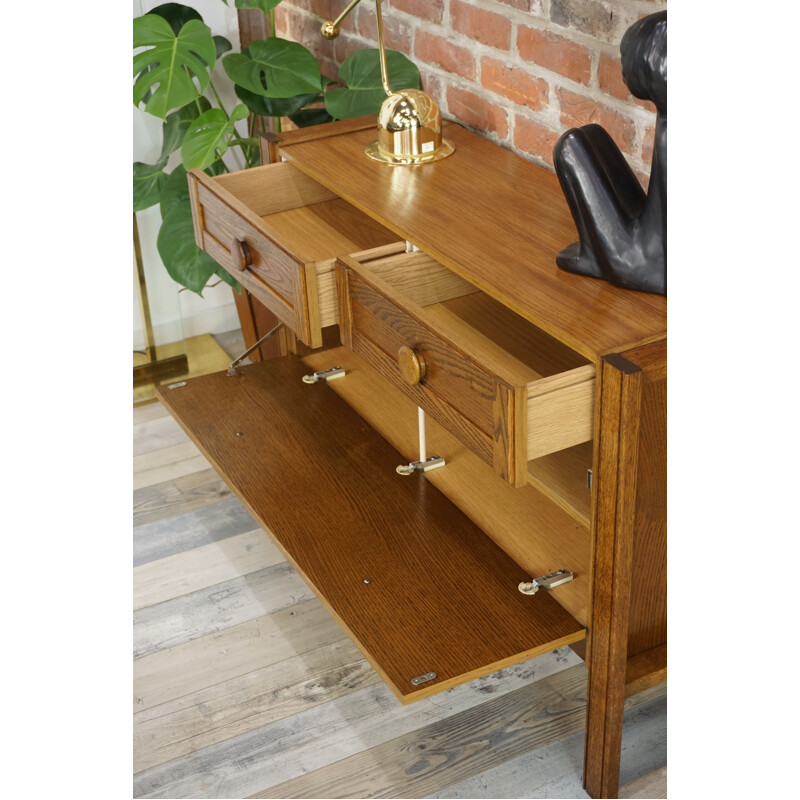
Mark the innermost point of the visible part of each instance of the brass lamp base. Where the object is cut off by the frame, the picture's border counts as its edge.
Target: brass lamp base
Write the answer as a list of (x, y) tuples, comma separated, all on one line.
[(409, 130), (375, 153)]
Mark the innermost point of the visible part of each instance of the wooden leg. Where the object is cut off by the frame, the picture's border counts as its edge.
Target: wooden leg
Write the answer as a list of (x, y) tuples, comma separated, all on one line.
[(614, 470)]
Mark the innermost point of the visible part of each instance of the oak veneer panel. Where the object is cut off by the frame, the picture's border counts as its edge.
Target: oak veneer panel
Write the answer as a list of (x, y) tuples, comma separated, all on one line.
[(646, 669), (441, 595), (562, 477), (526, 522), (495, 219), (647, 624)]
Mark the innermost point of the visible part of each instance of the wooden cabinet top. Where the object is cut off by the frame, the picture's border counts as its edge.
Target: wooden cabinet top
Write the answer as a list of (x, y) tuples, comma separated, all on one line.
[(495, 219)]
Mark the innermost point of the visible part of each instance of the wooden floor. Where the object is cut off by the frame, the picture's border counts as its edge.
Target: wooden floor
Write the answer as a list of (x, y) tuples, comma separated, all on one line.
[(244, 686)]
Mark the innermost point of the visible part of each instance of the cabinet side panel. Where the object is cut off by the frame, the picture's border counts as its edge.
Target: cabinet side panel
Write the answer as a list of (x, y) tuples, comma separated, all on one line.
[(614, 506), (647, 622)]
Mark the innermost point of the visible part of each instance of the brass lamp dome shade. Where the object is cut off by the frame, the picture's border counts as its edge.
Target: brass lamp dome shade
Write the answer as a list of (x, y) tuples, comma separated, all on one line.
[(409, 130), (409, 122)]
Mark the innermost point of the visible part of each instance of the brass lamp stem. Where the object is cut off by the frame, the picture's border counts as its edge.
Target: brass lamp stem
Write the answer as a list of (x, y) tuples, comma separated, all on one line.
[(382, 50), (330, 30)]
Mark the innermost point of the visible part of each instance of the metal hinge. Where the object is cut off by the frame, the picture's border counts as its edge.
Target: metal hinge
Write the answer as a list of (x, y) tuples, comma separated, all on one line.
[(421, 466), (325, 375), (546, 581)]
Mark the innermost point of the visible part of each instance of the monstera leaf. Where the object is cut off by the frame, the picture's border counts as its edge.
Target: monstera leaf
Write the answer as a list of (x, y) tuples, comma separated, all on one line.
[(265, 5), (148, 181), (178, 122), (364, 93), (310, 116), (186, 263), (274, 68), (275, 106), (176, 14), (208, 137), (168, 68)]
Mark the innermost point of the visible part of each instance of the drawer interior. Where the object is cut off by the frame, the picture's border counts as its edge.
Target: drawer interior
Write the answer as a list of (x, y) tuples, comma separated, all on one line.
[(462, 311), (419, 587), (293, 228), (556, 381), (310, 221)]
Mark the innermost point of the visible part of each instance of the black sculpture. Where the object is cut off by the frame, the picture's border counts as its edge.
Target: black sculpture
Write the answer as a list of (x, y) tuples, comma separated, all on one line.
[(623, 231)]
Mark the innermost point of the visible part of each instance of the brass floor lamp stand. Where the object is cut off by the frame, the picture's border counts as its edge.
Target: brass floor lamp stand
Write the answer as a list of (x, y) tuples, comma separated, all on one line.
[(154, 369)]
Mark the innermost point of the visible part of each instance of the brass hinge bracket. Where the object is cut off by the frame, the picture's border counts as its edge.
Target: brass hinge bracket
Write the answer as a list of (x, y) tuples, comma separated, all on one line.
[(325, 375), (546, 581)]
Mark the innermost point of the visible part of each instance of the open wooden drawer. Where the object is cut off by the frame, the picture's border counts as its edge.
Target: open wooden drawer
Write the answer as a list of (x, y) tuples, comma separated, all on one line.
[(505, 388), (277, 231), (429, 598)]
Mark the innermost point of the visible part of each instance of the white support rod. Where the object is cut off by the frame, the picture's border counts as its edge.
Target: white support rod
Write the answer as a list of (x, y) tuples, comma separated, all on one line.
[(423, 454)]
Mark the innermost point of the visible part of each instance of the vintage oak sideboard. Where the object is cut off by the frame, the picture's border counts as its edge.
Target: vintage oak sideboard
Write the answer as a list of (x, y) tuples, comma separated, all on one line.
[(435, 287)]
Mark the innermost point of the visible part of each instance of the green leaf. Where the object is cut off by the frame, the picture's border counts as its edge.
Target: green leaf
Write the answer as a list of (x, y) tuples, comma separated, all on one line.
[(170, 62), (364, 93), (176, 14), (222, 273), (174, 190), (186, 263), (310, 116), (265, 5), (222, 45), (274, 106), (178, 122), (148, 181), (217, 168), (208, 137), (274, 68)]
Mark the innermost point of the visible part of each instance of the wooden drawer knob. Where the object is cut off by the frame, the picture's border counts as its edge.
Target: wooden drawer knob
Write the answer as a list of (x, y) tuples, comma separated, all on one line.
[(412, 365), (240, 251)]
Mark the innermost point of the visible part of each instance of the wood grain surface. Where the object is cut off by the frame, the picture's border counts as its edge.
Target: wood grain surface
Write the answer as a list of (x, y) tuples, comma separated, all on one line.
[(498, 221), (628, 608), (530, 525), (394, 560)]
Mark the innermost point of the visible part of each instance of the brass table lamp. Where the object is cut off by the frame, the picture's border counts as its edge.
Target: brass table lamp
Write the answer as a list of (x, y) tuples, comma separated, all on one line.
[(409, 122)]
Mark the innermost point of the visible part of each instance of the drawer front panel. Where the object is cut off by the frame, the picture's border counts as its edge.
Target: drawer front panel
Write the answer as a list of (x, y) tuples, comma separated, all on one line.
[(269, 262), (274, 277), (449, 375), (255, 285)]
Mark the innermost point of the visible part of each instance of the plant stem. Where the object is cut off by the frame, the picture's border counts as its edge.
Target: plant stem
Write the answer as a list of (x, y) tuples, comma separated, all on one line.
[(218, 98)]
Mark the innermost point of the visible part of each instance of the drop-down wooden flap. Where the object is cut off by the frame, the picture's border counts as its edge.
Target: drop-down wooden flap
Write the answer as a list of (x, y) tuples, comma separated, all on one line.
[(417, 585)]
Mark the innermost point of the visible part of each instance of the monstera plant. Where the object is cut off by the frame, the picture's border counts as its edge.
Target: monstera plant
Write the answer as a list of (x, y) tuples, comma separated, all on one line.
[(175, 65)]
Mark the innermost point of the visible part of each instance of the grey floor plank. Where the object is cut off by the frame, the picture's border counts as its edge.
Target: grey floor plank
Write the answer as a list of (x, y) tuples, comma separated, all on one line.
[(156, 434), (460, 746), (148, 412), (249, 701), (555, 770), (199, 526), (653, 785), (163, 500), (311, 739), (183, 670), (215, 608)]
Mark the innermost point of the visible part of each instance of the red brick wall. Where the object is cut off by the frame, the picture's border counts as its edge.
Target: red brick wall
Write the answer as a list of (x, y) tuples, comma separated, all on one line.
[(519, 72)]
